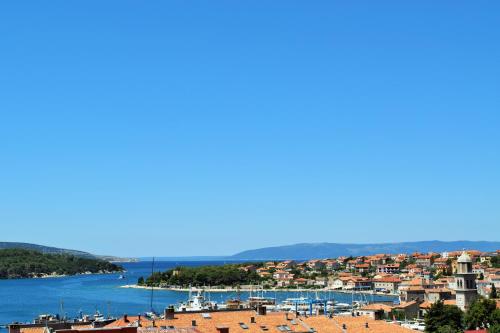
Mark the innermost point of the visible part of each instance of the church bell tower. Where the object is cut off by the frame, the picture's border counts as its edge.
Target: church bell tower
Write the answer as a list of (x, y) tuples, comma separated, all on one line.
[(465, 280)]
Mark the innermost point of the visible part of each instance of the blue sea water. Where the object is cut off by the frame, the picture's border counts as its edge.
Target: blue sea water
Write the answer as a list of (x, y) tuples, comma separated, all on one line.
[(23, 299)]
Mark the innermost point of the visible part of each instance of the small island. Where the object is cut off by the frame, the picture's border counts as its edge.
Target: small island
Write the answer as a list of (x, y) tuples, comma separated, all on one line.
[(21, 263), (224, 275)]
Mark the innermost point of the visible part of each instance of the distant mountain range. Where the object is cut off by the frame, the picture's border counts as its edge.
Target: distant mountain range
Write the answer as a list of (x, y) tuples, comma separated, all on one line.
[(190, 258), (305, 251), (55, 250)]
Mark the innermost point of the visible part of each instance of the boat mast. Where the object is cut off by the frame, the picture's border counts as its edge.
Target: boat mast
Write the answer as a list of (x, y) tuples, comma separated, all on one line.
[(352, 300), (152, 288), (63, 317)]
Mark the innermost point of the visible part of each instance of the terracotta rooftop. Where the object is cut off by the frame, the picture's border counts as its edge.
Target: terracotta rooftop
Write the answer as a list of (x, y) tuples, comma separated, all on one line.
[(129, 321), (81, 327), (322, 324), (236, 321), (437, 290), (377, 307), (427, 304), (404, 305), (167, 330), (32, 330), (416, 282), (274, 322), (388, 279)]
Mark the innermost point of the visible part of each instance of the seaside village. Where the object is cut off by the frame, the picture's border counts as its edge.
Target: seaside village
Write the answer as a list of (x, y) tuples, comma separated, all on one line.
[(412, 283)]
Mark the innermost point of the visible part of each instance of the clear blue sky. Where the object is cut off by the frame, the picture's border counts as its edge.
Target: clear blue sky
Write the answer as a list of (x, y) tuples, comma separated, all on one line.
[(209, 127)]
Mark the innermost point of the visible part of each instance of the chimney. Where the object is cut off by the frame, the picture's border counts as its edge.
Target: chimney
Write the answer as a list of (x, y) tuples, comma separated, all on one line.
[(261, 310), (222, 329), (286, 316), (193, 322), (169, 312), (139, 321), (252, 320), (366, 325), (125, 318)]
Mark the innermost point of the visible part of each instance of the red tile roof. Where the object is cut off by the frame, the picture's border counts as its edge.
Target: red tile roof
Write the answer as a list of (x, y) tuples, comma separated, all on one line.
[(234, 320)]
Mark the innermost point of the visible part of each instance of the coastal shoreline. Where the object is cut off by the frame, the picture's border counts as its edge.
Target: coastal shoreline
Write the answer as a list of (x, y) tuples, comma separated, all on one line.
[(232, 289), (49, 276), (57, 276)]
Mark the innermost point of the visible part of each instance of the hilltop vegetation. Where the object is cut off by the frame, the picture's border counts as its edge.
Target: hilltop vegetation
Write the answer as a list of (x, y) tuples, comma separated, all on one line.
[(225, 275), (56, 250), (44, 249), (21, 263)]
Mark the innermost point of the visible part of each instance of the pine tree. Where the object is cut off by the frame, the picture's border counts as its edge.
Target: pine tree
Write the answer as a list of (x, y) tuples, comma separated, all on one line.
[(493, 293), (479, 314), (441, 315), (494, 329)]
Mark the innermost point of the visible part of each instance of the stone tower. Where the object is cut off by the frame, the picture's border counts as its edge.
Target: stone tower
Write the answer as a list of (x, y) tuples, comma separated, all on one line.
[(465, 281)]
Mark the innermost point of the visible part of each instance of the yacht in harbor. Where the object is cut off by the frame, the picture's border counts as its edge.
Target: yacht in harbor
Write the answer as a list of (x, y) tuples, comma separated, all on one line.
[(259, 299), (268, 302), (197, 302)]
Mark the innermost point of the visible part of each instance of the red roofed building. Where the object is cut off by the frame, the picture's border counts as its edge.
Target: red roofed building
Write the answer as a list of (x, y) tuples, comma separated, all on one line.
[(389, 284)]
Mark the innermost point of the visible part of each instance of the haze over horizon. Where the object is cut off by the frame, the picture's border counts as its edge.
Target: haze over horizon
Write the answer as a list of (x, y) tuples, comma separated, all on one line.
[(172, 129), (301, 251)]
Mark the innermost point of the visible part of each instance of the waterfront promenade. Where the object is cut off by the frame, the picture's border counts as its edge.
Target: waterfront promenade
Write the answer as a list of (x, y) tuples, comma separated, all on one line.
[(257, 289)]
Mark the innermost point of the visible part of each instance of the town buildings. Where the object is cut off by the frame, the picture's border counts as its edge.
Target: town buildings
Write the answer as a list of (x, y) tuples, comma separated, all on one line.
[(456, 277), (415, 280)]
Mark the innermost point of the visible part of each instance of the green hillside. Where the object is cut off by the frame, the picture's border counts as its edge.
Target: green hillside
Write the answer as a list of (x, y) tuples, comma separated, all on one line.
[(44, 249), (225, 275), (21, 263)]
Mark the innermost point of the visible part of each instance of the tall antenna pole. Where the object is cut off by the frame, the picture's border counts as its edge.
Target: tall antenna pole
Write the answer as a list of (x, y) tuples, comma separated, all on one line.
[(152, 288)]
